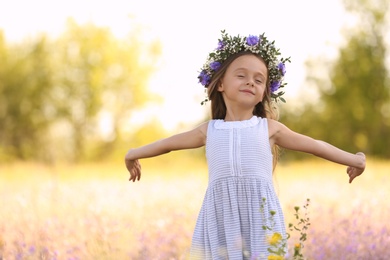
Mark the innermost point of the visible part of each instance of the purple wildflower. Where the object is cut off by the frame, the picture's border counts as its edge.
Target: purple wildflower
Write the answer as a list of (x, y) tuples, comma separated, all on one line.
[(215, 65), (275, 86), (221, 45), (282, 68), (31, 249), (204, 78), (252, 40)]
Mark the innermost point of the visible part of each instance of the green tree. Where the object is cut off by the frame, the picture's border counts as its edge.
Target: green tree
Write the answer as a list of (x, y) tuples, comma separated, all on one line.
[(54, 93), (98, 75), (25, 80), (353, 111), (357, 104)]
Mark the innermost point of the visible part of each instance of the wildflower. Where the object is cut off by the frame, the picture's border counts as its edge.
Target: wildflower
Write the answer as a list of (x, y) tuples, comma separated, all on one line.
[(282, 68), (252, 40), (215, 65), (275, 86), (256, 44), (297, 249), (31, 250), (2, 244), (204, 78), (275, 239), (275, 257), (221, 45)]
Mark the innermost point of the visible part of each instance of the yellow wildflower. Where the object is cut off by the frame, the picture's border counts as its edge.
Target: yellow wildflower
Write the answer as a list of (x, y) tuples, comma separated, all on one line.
[(298, 245), (275, 257), (2, 246), (275, 239)]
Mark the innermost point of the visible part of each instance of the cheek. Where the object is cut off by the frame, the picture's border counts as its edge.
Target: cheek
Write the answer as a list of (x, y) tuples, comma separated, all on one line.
[(263, 90)]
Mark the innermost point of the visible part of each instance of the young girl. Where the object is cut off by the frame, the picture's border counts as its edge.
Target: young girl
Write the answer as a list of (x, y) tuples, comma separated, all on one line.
[(243, 77)]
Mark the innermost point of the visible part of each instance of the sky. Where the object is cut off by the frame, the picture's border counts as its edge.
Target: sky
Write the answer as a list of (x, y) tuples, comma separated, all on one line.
[(188, 31)]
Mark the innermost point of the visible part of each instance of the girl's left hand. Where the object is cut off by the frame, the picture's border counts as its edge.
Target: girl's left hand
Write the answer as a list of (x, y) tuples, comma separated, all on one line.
[(354, 172)]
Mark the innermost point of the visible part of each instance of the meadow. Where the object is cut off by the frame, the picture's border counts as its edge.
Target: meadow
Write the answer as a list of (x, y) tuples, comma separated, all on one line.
[(91, 211)]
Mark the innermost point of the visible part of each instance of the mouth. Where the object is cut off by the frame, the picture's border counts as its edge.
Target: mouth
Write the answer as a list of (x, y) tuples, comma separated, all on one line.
[(247, 91)]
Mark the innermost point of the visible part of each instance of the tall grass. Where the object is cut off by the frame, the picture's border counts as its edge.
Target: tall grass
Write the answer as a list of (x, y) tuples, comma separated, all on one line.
[(93, 212)]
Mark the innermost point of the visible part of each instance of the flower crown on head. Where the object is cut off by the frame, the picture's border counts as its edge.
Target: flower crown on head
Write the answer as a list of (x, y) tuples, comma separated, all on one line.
[(259, 45)]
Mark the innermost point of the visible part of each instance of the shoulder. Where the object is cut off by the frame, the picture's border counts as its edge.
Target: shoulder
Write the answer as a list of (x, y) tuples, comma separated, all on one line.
[(194, 138), (203, 127), (274, 126), (200, 131)]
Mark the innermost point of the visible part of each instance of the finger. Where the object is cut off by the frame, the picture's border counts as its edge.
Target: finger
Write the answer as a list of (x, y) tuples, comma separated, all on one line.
[(138, 167), (130, 170), (351, 179), (133, 174), (137, 175)]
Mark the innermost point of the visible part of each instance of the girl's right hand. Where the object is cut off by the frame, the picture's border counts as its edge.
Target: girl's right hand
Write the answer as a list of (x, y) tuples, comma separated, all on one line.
[(134, 168)]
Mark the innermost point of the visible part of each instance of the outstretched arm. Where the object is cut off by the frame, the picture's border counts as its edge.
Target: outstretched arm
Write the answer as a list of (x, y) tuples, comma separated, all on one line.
[(187, 140), (286, 138)]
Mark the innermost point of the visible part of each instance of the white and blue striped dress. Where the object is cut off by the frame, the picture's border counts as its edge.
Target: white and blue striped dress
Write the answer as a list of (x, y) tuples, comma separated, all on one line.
[(230, 222)]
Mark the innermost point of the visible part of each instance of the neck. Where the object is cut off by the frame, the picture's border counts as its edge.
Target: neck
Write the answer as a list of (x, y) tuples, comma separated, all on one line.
[(238, 115)]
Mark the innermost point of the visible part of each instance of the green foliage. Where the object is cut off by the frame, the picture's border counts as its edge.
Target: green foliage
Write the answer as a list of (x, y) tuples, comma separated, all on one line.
[(54, 93), (358, 101), (353, 111), (25, 80), (302, 225), (277, 244)]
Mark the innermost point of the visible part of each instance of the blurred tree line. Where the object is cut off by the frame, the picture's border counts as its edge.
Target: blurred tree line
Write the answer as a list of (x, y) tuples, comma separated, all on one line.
[(353, 108), (70, 98)]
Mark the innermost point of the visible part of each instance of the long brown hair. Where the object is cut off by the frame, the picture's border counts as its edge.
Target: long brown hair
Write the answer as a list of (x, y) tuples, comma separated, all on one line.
[(266, 108)]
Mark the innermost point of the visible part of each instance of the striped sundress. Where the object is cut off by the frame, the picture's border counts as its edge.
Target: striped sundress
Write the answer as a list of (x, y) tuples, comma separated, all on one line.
[(240, 193)]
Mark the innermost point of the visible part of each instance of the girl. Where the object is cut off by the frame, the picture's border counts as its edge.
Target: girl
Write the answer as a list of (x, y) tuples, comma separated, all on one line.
[(243, 77)]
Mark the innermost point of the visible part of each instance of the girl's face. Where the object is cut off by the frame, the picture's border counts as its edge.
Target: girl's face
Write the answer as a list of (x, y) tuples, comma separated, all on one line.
[(244, 81)]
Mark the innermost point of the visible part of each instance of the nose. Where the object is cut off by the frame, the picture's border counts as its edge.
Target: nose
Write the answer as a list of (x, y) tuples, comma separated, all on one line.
[(250, 83)]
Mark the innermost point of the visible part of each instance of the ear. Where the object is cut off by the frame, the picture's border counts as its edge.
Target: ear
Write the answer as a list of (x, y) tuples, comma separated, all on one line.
[(220, 87)]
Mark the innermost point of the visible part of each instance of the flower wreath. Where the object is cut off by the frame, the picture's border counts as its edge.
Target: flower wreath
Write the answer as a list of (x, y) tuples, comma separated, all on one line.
[(260, 45)]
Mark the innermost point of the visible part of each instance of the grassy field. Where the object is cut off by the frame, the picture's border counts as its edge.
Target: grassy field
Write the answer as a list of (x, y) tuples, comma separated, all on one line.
[(93, 212)]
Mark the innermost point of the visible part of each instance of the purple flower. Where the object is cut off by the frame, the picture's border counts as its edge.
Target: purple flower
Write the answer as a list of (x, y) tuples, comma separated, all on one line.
[(19, 256), (221, 45), (275, 86), (282, 68), (204, 78), (252, 40), (215, 65), (31, 249)]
